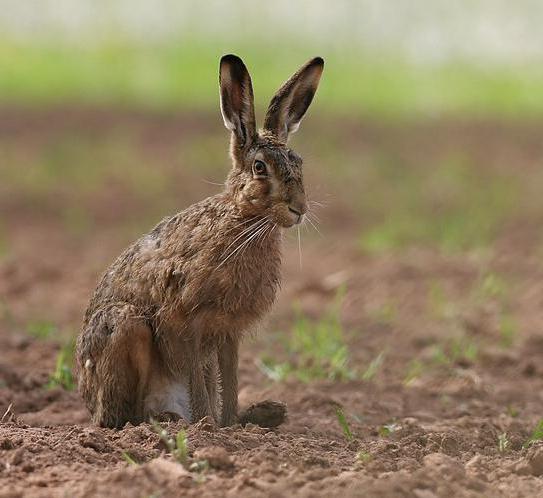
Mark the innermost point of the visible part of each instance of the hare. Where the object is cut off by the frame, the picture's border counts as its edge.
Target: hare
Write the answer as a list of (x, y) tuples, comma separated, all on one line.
[(162, 331)]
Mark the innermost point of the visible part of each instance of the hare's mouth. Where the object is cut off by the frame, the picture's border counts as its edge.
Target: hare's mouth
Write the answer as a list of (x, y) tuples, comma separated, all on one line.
[(296, 214), (291, 219)]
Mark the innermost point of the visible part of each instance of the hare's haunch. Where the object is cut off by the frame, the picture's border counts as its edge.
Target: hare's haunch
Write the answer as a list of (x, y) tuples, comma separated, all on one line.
[(162, 331)]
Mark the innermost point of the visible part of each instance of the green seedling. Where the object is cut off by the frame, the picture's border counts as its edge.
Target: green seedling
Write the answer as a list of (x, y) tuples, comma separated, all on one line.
[(537, 434), (387, 429), (508, 330), (178, 447), (200, 466), (492, 287), (62, 375), (364, 457), (126, 456), (274, 371), (374, 367), (512, 411), (454, 351), (414, 371), (503, 443), (342, 419)]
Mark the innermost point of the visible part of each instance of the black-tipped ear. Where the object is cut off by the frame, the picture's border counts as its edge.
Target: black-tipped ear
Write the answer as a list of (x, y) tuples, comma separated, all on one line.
[(237, 100), (291, 101)]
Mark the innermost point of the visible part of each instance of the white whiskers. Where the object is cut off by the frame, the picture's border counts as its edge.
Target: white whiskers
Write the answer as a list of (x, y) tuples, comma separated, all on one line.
[(247, 235), (313, 223), (300, 246)]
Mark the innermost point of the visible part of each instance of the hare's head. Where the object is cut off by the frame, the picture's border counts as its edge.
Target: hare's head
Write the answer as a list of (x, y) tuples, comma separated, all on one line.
[(266, 178)]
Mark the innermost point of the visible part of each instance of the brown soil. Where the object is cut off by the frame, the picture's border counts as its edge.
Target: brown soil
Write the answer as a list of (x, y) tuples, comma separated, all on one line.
[(444, 425)]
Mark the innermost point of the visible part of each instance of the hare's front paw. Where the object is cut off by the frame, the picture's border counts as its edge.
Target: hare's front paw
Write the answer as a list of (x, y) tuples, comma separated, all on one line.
[(200, 407), (166, 416), (228, 419)]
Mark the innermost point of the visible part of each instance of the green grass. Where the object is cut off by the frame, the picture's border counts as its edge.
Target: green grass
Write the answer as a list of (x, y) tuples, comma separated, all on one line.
[(494, 288), (68, 175), (177, 446), (455, 351), (83, 163), (415, 369), (62, 376), (128, 458), (316, 349), (444, 356), (364, 457), (342, 420), (387, 429), (374, 367), (491, 286), (179, 449), (42, 329), (453, 205), (503, 442), (537, 434), (184, 75)]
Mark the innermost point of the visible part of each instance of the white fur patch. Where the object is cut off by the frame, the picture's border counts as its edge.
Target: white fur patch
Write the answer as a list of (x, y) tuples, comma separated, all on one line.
[(173, 397), (148, 243)]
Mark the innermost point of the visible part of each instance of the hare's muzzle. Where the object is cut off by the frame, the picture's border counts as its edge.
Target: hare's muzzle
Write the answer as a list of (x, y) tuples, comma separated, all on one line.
[(296, 213)]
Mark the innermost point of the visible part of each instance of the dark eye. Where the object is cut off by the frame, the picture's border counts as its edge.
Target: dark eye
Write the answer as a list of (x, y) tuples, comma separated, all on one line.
[(259, 168)]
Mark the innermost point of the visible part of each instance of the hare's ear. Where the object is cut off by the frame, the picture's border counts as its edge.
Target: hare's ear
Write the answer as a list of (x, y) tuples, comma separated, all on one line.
[(291, 101), (237, 100)]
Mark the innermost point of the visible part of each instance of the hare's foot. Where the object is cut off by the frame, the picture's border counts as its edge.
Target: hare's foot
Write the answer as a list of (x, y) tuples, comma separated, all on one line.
[(265, 414), (166, 417), (115, 355)]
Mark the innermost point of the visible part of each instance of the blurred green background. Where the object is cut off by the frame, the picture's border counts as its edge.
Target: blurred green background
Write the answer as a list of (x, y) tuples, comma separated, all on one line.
[(384, 59)]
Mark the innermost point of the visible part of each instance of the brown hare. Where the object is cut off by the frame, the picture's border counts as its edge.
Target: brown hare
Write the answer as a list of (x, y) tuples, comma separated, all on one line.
[(162, 330)]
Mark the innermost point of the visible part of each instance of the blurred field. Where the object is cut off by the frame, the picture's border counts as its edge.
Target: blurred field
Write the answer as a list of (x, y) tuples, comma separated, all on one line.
[(183, 75)]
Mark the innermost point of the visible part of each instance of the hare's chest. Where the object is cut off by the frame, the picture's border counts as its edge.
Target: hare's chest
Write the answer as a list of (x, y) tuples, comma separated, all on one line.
[(234, 309), (243, 295), (251, 290)]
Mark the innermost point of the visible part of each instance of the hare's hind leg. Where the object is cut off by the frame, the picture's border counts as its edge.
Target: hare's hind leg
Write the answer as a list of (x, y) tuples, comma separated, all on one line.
[(114, 355)]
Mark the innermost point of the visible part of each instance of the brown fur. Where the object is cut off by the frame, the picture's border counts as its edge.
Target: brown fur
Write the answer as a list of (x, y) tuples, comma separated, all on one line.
[(172, 309)]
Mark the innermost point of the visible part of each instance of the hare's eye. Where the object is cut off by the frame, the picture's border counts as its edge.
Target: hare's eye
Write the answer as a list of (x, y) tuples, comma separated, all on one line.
[(259, 168)]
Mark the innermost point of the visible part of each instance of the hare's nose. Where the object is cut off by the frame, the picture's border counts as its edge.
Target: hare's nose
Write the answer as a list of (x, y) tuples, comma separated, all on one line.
[(298, 211)]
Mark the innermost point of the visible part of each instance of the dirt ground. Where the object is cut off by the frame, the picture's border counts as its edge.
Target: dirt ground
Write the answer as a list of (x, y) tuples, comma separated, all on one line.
[(424, 425)]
